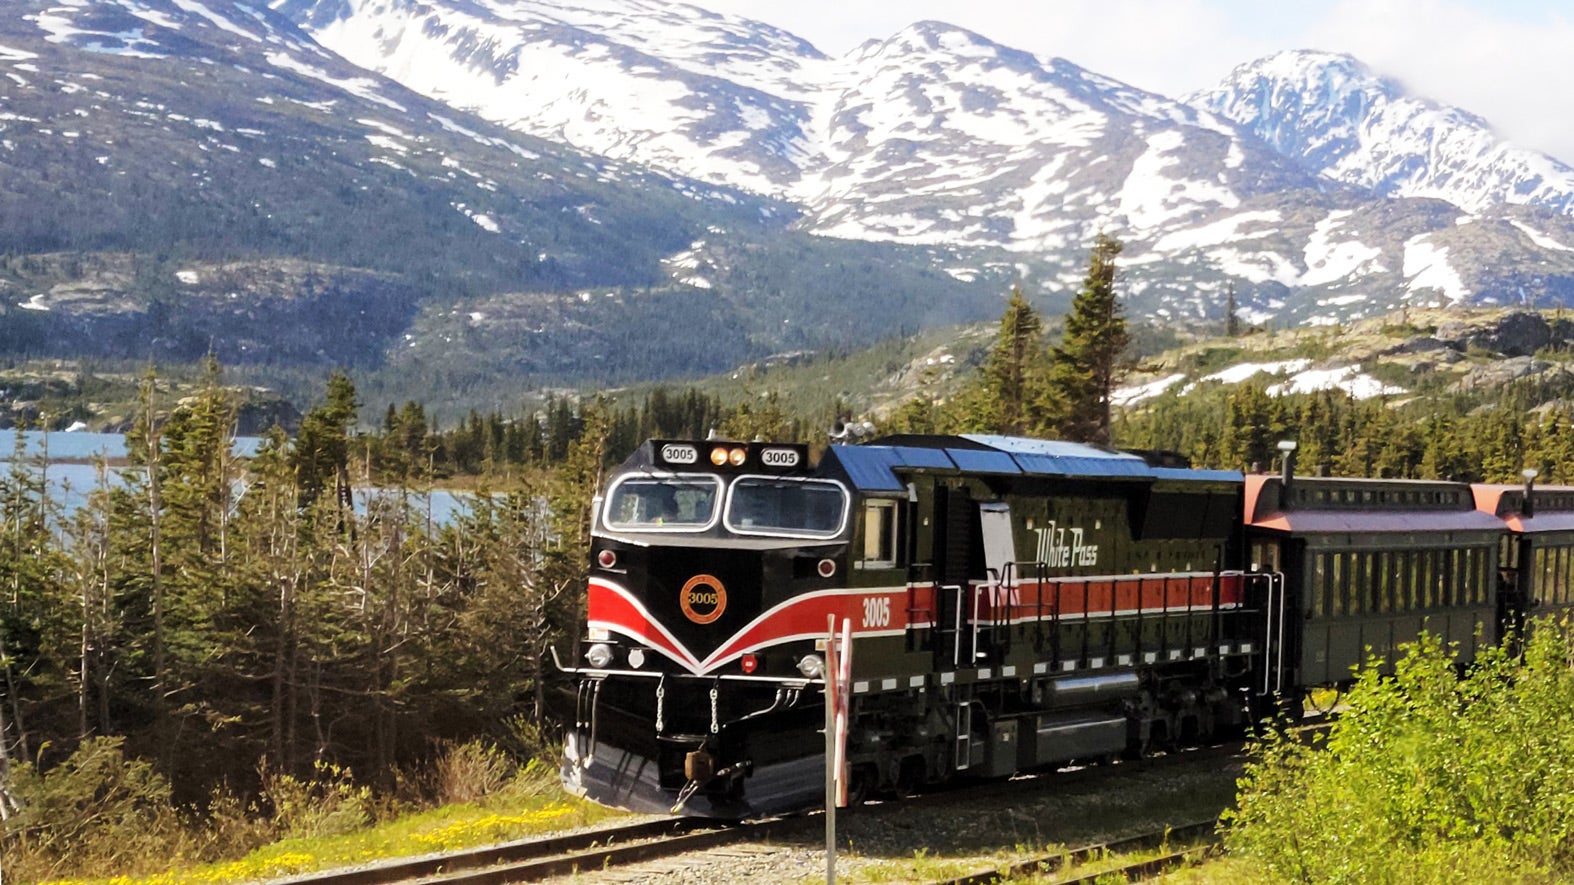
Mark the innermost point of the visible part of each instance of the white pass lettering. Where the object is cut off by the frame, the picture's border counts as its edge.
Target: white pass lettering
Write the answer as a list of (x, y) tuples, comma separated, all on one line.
[(1056, 550)]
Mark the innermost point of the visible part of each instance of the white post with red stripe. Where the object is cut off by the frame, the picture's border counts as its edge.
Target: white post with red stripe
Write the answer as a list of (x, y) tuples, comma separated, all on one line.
[(838, 677)]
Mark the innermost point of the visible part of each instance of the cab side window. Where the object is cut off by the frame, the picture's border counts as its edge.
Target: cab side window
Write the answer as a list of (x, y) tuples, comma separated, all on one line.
[(880, 534)]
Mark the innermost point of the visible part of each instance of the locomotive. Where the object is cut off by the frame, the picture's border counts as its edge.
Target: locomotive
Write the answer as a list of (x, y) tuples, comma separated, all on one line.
[(1013, 604)]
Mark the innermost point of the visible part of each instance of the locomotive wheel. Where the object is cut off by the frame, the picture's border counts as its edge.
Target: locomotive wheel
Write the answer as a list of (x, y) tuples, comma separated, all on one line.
[(862, 780), (909, 777)]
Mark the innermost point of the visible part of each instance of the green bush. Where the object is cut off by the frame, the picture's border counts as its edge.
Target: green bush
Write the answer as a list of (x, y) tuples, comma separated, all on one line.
[(1426, 777), (329, 804), (470, 772), (95, 810)]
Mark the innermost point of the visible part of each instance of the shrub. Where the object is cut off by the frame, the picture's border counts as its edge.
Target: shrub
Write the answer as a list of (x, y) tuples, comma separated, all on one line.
[(529, 739), (329, 804), (96, 810), (1427, 777), (231, 826), (470, 772)]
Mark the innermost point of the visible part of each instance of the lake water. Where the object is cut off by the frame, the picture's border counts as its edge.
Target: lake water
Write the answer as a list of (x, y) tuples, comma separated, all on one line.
[(80, 446), (71, 482)]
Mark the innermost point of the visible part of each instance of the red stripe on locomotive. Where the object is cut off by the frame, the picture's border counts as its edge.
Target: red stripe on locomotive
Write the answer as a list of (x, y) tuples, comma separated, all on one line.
[(611, 608), (890, 611), (1079, 597), (803, 617)]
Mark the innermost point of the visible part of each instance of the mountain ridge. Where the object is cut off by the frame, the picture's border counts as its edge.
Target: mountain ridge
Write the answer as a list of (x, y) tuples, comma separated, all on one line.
[(217, 181), (938, 136), (750, 195), (1357, 131)]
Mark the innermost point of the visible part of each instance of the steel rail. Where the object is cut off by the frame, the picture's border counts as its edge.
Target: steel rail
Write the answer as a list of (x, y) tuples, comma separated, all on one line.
[(533, 859), (1135, 871), (525, 850)]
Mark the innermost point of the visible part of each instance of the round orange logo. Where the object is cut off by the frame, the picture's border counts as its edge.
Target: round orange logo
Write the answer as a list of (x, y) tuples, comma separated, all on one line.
[(702, 599)]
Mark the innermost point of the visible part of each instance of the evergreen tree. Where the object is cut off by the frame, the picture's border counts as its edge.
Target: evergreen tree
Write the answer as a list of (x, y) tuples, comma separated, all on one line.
[(322, 446), (1253, 426), (764, 419), (1086, 363), (917, 415), (1013, 396)]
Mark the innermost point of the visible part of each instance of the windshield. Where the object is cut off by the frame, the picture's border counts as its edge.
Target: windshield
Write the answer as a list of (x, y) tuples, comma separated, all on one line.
[(760, 505), (674, 503)]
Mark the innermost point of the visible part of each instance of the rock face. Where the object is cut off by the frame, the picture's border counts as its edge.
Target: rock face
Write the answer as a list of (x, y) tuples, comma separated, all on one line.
[(1517, 334)]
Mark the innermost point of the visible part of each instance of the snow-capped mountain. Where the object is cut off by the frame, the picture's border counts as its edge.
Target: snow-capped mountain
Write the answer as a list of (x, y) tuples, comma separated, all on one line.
[(1344, 122), (1304, 182), (543, 184), (711, 97), (935, 135), (939, 135), (185, 175)]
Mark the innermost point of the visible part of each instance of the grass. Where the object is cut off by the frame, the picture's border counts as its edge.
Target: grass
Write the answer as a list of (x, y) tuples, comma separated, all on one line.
[(514, 814), (1218, 871), (925, 866)]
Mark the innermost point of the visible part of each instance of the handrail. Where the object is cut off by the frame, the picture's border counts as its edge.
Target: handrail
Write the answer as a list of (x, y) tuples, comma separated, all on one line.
[(956, 633)]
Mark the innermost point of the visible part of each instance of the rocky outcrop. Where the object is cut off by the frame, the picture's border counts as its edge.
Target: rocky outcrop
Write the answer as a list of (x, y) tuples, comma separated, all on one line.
[(1517, 334)]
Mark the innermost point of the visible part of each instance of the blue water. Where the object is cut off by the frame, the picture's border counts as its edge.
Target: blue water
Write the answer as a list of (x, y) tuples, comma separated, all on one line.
[(71, 483), (445, 506), (80, 446)]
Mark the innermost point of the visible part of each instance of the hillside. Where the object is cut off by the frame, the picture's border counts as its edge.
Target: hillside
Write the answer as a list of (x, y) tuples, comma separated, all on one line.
[(1397, 358), (1411, 357), (215, 180), (1317, 190), (470, 204)]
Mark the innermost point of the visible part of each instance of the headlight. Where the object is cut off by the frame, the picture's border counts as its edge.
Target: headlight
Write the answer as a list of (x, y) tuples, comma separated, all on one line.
[(599, 655), (811, 666)]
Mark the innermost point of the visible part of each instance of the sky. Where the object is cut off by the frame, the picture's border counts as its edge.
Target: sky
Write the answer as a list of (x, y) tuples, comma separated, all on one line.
[(1508, 61)]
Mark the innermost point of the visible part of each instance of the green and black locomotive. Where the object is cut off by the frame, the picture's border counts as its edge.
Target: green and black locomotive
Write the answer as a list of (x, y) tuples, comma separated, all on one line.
[(1014, 603)]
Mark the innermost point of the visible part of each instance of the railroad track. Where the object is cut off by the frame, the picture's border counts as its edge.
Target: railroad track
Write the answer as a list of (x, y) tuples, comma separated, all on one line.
[(534, 859), (1200, 838), (1196, 841), (657, 845)]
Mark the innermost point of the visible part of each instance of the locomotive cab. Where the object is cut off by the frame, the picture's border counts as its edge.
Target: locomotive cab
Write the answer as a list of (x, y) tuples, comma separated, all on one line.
[(698, 646)]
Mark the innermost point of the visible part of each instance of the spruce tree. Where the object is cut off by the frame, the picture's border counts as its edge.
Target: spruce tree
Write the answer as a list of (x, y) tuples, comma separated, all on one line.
[(322, 447), (1085, 365), (1014, 397)]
